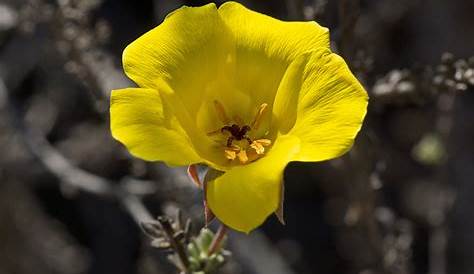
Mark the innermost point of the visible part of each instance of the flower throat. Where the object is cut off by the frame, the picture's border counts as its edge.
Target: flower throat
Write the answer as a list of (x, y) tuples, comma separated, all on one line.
[(239, 144)]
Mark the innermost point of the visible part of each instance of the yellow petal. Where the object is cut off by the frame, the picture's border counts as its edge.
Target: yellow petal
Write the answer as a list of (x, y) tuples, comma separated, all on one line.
[(205, 147), (266, 46), (322, 103), (274, 38), (189, 58), (188, 50), (140, 121), (243, 197)]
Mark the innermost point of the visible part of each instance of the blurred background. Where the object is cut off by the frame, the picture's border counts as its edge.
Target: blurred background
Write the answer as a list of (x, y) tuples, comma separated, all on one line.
[(401, 202)]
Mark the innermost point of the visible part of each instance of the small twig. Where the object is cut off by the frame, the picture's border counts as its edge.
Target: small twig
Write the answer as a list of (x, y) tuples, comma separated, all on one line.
[(176, 245), (217, 241)]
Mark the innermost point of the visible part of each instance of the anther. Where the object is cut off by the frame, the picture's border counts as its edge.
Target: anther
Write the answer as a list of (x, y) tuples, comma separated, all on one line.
[(230, 154), (259, 145), (243, 156)]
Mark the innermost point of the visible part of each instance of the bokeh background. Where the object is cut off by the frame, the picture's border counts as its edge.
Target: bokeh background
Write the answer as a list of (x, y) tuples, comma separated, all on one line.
[(401, 202)]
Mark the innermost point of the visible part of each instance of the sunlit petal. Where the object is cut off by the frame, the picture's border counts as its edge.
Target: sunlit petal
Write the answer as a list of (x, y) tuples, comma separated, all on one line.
[(245, 196), (140, 121), (322, 103)]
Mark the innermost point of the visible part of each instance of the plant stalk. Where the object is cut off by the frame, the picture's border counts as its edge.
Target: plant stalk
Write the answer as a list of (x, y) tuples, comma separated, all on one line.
[(176, 245), (216, 242)]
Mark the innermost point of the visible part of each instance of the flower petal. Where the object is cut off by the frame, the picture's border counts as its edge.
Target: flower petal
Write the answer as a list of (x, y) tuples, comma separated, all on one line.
[(140, 120), (188, 58), (188, 50), (322, 103), (243, 197), (266, 46)]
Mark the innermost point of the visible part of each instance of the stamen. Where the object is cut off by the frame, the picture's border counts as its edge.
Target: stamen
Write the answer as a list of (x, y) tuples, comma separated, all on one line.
[(245, 148), (243, 157), (264, 142), (230, 154), (259, 145), (238, 120), (213, 133), (258, 118), (221, 112), (235, 148), (252, 155)]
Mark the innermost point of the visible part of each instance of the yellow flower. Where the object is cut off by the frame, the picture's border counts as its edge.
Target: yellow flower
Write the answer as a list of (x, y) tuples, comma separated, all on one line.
[(241, 92)]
